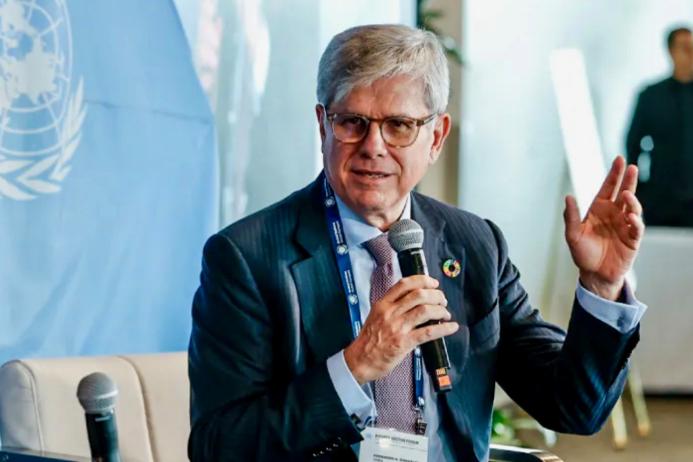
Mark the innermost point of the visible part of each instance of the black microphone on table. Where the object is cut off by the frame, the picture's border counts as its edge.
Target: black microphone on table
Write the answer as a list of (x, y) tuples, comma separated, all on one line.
[(406, 237), (97, 394)]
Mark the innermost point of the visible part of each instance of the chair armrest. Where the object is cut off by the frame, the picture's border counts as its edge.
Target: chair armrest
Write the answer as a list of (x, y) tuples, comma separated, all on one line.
[(503, 453)]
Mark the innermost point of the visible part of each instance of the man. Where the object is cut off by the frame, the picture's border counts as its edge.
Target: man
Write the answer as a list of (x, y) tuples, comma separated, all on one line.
[(660, 139), (280, 367)]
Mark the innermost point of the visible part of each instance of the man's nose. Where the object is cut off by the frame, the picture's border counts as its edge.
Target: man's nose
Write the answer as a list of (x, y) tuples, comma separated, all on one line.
[(373, 144)]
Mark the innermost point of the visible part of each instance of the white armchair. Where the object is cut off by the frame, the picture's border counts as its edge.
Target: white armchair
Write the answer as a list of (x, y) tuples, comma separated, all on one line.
[(39, 409)]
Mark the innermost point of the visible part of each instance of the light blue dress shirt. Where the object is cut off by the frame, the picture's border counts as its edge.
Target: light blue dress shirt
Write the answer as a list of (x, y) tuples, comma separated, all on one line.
[(357, 400)]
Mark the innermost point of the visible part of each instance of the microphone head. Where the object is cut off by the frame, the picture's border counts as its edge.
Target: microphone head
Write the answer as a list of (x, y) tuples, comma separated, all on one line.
[(97, 393), (406, 234)]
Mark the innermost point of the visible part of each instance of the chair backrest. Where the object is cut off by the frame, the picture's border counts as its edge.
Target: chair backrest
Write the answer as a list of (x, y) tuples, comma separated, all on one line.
[(39, 409)]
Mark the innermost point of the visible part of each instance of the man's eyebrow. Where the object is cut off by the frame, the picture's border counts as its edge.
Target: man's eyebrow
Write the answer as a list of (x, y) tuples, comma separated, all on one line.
[(389, 116)]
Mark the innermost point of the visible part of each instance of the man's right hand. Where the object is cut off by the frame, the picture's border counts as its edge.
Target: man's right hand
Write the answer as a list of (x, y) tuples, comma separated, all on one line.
[(392, 330)]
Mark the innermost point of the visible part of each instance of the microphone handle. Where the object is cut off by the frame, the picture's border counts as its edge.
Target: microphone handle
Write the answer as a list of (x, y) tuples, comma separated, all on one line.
[(435, 352), (103, 436)]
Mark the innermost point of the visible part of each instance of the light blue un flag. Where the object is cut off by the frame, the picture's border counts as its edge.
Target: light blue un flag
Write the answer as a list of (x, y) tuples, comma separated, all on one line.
[(108, 181)]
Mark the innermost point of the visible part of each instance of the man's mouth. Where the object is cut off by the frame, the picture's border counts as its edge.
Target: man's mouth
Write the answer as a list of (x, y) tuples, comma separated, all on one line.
[(374, 174)]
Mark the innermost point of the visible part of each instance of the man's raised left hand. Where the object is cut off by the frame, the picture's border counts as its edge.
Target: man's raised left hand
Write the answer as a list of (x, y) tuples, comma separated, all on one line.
[(605, 243)]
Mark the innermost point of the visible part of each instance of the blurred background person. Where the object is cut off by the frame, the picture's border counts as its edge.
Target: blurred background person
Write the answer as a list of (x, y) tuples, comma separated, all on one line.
[(660, 139)]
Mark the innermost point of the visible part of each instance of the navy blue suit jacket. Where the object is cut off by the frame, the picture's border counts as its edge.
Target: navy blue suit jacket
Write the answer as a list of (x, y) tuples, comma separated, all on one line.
[(270, 310)]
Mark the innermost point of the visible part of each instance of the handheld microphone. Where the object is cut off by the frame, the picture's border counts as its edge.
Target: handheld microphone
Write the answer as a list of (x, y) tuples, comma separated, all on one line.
[(97, 394), (406, 237)]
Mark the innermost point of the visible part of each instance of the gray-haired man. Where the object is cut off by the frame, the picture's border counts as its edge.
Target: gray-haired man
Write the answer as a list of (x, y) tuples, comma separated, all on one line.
[(305, 334)]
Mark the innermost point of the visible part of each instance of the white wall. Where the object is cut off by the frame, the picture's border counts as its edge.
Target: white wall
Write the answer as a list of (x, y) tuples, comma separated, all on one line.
[(512, 166)]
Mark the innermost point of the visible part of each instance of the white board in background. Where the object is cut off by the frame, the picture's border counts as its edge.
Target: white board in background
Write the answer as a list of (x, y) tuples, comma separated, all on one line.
[(578, 125), (581, 140)]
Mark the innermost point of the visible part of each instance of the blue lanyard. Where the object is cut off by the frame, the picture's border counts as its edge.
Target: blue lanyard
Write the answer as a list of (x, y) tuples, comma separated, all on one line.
[(346, 274)]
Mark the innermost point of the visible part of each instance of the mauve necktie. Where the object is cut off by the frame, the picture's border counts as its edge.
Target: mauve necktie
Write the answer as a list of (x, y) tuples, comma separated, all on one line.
[(394, 393)]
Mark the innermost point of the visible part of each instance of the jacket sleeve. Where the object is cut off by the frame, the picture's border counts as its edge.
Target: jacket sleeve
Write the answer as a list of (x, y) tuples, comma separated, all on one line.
[(569, 383), (242, 406)]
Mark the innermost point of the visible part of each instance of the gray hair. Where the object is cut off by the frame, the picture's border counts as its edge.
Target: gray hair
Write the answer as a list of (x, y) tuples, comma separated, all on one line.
[(361, 55)]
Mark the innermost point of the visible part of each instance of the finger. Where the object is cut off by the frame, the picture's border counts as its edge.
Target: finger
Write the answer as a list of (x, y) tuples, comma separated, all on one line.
[(636, 229), (419, 297), (425, 313), (630, 181), (408, 284), (631, 203), (613, 180), (571, 217), (630, 232), (433, 331)]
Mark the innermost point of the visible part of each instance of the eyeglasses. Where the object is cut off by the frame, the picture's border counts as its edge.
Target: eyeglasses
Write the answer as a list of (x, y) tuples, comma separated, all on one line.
[(397, 131)]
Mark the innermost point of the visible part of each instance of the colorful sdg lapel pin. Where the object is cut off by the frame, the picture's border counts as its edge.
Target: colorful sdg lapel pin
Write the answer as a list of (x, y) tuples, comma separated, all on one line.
[(452, 267)]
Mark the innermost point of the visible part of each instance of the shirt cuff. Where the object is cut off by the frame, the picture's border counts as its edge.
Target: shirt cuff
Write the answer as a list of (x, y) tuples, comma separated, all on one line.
[(622, 316), (353, 397)]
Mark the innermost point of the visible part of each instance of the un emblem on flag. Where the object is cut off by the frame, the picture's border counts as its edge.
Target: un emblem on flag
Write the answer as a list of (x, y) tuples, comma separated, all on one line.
[(41, 110)]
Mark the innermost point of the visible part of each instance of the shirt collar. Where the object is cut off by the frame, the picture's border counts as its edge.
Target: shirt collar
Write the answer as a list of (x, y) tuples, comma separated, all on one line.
[(356, 230)]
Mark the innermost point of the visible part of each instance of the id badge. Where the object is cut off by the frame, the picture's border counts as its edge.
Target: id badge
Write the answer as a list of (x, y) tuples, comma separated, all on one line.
[(381, 445)]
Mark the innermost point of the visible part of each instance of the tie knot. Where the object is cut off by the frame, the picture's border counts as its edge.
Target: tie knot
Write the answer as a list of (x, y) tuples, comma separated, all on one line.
[(380, 248)]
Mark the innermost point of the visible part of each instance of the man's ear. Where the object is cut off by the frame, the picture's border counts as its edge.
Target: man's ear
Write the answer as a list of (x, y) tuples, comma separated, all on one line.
[(441, 130), (320, 114)]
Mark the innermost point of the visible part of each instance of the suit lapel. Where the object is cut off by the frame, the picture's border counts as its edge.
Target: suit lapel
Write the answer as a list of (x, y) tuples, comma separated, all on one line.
[(438, 248), (323, 306)]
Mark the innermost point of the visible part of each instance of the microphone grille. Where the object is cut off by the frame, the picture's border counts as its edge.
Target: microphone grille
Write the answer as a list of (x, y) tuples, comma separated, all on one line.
[(97, 393), (406, 234)]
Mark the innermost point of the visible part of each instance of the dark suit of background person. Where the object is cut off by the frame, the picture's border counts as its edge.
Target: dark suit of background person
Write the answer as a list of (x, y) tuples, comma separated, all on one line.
[(270, 316), (664, 113)]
